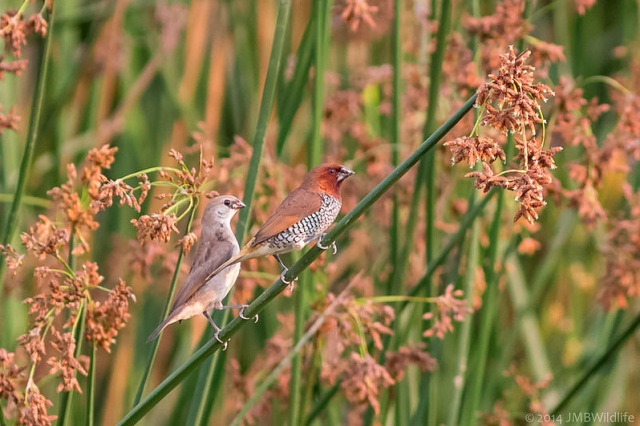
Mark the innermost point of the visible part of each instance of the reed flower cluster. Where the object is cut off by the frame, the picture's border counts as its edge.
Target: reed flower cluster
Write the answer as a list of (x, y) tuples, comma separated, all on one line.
[(517, 111), (14, 29)]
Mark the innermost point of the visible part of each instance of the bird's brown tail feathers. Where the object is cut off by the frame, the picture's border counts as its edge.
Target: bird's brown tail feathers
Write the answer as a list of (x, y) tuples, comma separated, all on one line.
[(161, 327)]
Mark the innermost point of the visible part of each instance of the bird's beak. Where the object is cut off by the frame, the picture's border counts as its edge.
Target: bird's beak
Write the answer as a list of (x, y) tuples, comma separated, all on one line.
[(238, 205), (344, 173)]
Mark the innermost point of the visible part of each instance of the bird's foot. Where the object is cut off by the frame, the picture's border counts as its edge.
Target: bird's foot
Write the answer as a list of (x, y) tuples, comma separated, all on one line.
[(334, 247), (241, 314), (216, 335), (291, 283), (224, 342)]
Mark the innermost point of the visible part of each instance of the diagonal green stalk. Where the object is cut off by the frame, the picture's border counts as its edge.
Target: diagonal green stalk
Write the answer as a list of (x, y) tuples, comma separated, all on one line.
[(165, 311), (10, 227), (202, 404), (453, 241), (527, 321), (597, 364), (272, 292), (322, 403)]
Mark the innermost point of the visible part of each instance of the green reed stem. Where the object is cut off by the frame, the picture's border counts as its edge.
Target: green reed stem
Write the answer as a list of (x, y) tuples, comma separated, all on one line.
[(65, 401), (597, 364), (26, 199), (165, 311), (322, 403), (396, 122), (295, 382), (487, 315), (214, 377), (435, 73), (276, 288), (294, 91), (266, 105), (465, 332), (91, 387), (321, 47), (29, 148)]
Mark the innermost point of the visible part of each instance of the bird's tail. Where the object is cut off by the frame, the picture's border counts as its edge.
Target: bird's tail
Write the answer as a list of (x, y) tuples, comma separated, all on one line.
[(170, 320)]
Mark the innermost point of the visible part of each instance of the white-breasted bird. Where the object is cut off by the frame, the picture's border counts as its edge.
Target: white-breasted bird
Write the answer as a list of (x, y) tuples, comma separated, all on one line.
[(217, 244)]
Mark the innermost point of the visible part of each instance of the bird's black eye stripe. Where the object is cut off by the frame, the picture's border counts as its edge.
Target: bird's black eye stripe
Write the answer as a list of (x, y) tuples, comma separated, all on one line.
[(227, 202)]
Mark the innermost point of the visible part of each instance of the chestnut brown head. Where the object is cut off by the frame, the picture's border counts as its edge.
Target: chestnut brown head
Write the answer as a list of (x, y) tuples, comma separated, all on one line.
[(327, 178)]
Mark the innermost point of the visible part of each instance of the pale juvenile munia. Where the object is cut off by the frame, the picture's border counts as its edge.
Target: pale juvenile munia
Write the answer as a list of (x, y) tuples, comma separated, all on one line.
[(201, 292), (302, 218)]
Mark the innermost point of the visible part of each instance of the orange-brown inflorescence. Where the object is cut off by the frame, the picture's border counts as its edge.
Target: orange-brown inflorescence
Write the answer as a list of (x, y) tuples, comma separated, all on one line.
[(14, 29), (63, 288), (517, 110), (449, 307)]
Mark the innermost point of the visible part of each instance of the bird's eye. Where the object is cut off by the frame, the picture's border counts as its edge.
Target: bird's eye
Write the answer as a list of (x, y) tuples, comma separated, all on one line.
[(332, 171), (227, 202)]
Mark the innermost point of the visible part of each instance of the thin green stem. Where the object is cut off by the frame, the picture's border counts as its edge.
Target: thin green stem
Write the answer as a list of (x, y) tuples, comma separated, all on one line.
[(165, 312), (276, 288), (453, 240), (322, 403), (486, 317), (91, 385), (151, 170), (388, 299), (597, 364), (315, 150), (29, 148), (295, 382), (613, 83), (465, 332), (396, 119), (27, 199)]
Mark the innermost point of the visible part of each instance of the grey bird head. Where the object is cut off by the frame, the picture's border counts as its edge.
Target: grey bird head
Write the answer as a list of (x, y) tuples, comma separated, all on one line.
[(221, 208)]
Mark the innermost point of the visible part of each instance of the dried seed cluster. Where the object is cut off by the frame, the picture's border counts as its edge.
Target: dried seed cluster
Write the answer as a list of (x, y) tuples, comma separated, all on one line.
[(516, 97)]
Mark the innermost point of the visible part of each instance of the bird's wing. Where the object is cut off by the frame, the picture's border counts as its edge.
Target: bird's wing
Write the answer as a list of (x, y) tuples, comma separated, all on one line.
[(299, 204), (209, 256)]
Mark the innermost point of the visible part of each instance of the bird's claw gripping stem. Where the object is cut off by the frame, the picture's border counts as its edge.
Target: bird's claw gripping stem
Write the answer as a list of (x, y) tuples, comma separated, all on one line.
[(284, 271), (216, 335), (224, 342), (291, 283), (334, 247), (241, 314)]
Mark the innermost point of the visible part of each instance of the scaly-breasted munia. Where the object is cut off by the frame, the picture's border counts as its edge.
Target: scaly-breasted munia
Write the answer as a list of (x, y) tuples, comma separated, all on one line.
[(302, 218), (201, 292)]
